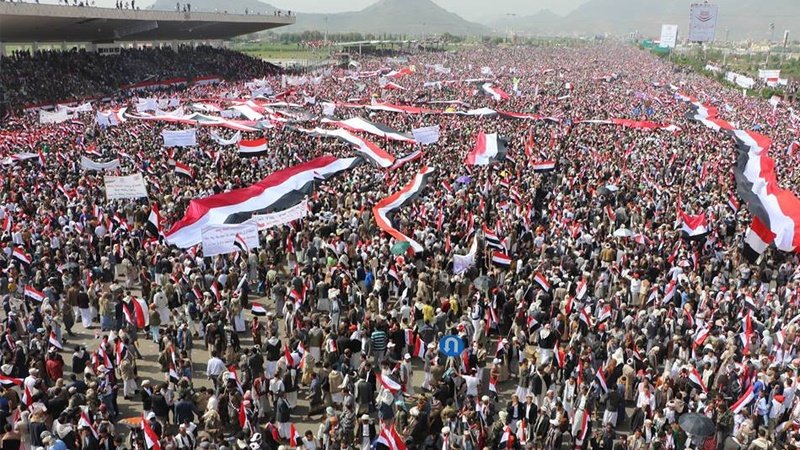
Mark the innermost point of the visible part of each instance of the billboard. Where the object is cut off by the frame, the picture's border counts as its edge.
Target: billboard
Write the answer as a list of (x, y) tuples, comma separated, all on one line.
[(703, 22), (669, 35)]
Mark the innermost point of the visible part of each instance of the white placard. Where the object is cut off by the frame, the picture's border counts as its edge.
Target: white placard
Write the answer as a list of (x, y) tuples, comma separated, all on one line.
[(124, 187), (669, 36), (85, 107), (769, 73), (146, 104), (53, 117), (180, 138), (19, 157), (233, 140), (88, 164), (426, 135), (218, 239), (265, 221), (461, 263), (703, 22), (328, 109)]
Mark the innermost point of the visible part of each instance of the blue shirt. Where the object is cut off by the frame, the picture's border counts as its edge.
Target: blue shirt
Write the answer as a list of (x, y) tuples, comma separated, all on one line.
[(58, 445)]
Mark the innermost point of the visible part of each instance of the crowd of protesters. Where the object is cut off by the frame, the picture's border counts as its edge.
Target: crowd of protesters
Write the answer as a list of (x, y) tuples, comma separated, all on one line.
[(602, 354), (45, 76)]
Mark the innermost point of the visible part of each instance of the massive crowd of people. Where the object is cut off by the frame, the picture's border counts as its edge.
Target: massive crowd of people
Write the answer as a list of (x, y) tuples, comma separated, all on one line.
[(574, 342), (46, 77)]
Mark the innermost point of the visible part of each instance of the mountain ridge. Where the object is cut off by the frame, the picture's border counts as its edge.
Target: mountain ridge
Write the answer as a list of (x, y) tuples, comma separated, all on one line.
[(408, 17)]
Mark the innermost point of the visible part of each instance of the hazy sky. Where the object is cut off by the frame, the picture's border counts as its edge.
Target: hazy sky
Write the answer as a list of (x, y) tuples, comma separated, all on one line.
[(475, 10)]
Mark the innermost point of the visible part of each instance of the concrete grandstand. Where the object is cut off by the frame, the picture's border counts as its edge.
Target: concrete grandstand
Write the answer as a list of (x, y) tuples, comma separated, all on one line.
[(35, 23)]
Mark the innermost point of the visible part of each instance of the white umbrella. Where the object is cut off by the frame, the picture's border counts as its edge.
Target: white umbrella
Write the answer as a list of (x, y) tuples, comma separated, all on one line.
[(623, 232)]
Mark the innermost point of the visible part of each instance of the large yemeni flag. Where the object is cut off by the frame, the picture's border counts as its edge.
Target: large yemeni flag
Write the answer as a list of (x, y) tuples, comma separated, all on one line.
[(377, 129), (251, 149), (488, 150), (399, 162), (396, 442), (777, 209), (494, 92), (278, 191), (367, 148), (397, 200), (390, 439)]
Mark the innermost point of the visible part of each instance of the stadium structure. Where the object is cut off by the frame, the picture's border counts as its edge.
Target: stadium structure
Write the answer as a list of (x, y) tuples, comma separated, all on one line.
[(34, 24)]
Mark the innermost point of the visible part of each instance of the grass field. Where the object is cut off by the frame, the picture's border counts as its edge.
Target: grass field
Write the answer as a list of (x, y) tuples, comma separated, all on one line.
[(271, 51)]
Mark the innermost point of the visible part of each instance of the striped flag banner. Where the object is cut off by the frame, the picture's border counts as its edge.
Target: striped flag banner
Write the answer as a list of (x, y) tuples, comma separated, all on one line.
[(362, 125), (33, 293), (389, 384), (543, 166), (744, 400), (406, 195), (501, 259), (489, 149), (253, 149), (257, 309), (278, 191)]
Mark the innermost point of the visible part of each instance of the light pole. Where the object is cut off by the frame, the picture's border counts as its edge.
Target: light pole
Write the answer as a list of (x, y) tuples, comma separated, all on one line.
[(769, 44), (511, 28)]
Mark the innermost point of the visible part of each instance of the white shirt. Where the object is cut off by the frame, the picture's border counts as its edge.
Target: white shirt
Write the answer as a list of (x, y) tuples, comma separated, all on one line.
[(472, 385), (215, 367)]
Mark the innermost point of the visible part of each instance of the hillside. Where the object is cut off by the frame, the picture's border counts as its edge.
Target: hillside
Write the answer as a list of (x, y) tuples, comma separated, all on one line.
[(544, 22), (409, 17)]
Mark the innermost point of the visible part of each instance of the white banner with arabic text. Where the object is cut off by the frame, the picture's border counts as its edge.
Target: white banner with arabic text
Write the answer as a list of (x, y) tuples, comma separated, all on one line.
[(125, 187), (265, 221), (180, 138), (88, 164), (219, 239)]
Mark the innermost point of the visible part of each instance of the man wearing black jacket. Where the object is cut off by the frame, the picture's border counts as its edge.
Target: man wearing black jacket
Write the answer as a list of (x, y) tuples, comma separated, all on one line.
[(365, 432), (88, 441)]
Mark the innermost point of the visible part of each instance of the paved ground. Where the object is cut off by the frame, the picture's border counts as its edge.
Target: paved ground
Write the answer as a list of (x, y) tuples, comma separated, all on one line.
[(148, 368)]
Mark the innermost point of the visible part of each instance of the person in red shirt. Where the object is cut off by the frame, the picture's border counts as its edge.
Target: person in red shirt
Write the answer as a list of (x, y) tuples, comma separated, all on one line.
[(54, 366)]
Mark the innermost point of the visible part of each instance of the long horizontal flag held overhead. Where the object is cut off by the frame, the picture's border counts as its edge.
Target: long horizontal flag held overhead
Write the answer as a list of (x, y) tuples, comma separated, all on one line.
[(280, 190)]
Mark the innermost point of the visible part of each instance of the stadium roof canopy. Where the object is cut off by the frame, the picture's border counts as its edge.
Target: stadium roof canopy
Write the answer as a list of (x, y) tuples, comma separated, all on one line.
[(28, 22)]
